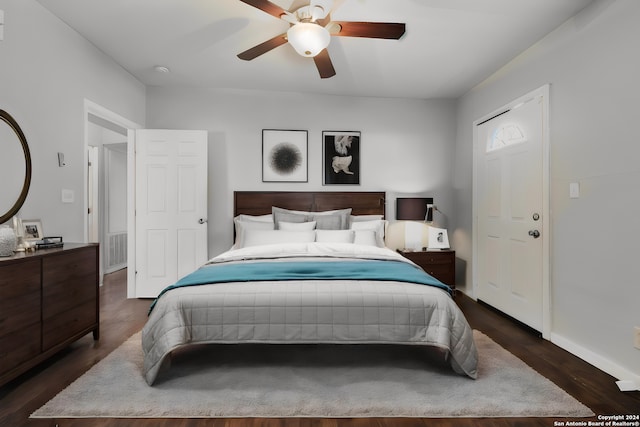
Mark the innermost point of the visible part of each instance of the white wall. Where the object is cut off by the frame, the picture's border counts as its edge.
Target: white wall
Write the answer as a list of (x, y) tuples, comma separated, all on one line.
[(406, 145), (593, 66), (46, 72)]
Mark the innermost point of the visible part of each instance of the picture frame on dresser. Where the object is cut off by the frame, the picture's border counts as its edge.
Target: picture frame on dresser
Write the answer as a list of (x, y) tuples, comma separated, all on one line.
[(284, 155), (341, 158), (32, 229)]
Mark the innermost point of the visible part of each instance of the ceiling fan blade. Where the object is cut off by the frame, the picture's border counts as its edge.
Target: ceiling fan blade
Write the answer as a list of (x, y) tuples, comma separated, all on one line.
[(267, 6), (324, 65), (264, 47), (376, 30)]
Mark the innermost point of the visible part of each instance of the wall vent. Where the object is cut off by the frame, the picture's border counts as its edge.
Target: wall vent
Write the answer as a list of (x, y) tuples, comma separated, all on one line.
[(116, 252)]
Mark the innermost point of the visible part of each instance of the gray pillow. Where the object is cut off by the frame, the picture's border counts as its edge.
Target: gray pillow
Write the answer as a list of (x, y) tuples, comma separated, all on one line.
[(329, 222), (285, 215), (326, 220)]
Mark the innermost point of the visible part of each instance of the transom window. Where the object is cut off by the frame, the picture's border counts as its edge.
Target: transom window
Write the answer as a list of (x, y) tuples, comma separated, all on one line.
[(505, 136)]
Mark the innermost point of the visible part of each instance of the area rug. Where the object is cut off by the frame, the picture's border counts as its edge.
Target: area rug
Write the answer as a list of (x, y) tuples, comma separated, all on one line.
[(311, 381)]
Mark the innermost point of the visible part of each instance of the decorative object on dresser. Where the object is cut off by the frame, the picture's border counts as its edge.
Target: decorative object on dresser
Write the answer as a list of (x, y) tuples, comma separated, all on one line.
[(50, 242), (284, 155), (341, 157), (48, 299), (438, 238), (32, 229), (440, 264), (8, 241), (18, 229)]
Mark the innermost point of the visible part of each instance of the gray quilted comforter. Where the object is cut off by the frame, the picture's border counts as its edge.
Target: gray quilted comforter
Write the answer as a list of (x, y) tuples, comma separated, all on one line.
[(309, 311)]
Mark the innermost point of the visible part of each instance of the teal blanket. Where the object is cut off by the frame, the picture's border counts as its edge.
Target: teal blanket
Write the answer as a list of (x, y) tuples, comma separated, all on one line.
[(306, 270)]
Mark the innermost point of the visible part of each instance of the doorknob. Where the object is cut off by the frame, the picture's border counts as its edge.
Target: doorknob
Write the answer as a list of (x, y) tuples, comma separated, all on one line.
[(534, 233), (202, 220)]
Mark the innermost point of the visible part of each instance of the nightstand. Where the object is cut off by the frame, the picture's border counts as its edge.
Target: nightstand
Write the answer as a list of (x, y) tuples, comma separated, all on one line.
[(441, 264)]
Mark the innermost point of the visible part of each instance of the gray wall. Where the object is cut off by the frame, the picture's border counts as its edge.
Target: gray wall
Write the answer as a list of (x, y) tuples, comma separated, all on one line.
[(406, 145), (47, 70), (593, 66)]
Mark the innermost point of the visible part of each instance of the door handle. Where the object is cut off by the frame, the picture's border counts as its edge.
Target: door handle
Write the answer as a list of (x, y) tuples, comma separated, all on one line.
[(202, 220), (534, 233)]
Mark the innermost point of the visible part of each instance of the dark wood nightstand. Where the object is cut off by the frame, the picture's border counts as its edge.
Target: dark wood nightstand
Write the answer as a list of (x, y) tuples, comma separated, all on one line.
[(441, 264)]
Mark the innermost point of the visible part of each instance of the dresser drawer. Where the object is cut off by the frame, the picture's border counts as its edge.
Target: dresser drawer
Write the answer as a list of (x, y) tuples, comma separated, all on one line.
[(19, 347), (67, 324), (439, 264), (19, 296), (441, 272), (430, 257), (68, 280)]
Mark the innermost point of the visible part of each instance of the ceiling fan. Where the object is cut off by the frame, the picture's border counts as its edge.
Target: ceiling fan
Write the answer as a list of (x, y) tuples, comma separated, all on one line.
[(311, 30)]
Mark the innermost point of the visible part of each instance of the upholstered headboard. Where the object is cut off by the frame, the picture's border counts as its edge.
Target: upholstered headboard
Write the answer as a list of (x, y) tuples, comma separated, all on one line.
[(260, 202)]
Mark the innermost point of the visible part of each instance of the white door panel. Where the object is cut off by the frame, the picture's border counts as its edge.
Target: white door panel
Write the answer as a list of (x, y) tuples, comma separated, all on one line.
[(509, 194), (170, 202)]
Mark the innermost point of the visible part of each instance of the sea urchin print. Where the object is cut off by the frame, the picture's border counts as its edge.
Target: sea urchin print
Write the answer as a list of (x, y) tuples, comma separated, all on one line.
[(285, 158)]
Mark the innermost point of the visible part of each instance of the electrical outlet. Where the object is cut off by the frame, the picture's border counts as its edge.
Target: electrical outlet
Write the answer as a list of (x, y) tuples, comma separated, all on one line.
[(636, 339)]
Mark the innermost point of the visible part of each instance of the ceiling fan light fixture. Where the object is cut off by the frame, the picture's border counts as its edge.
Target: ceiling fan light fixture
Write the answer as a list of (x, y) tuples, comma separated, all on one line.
[(308, 39)]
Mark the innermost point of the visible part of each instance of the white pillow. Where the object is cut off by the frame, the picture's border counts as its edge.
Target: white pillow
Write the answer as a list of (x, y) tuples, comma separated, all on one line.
[(335, 236), (249, 224), (254, 218), (296, 226), (360, 218), (272, 237), (365, 237), (376, 225)]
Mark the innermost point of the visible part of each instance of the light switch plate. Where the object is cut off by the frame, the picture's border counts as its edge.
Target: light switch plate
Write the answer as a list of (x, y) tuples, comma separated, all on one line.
[(574, 190), (68, 196)]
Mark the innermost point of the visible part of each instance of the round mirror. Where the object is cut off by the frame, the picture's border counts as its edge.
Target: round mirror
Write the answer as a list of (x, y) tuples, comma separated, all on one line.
[(15, 167)]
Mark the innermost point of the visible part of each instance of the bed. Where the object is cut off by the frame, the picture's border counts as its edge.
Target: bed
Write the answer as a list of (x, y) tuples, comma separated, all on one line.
[(308, 268)]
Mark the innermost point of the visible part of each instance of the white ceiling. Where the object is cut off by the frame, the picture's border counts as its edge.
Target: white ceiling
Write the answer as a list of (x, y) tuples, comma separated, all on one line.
[(449, 45)]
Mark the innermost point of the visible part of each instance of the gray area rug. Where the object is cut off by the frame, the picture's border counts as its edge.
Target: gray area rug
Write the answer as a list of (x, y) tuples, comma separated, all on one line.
[(311, 381)]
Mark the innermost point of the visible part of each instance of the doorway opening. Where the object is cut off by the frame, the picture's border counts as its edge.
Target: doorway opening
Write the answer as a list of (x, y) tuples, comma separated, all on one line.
[(106, 185)]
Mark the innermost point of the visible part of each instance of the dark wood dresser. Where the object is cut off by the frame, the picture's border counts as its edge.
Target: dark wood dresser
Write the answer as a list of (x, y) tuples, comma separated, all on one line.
[(48, 299)]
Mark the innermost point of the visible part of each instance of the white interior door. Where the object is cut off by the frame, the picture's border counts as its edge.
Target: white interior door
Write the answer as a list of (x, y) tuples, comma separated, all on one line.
[(170, 207), (510, 209)]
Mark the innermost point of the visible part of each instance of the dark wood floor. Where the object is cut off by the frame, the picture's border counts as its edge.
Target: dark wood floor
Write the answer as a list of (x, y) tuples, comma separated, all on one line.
[(121, 318)]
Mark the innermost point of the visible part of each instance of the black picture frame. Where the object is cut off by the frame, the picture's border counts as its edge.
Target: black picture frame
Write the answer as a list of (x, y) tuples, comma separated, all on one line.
[(341, 158), (285, 155)]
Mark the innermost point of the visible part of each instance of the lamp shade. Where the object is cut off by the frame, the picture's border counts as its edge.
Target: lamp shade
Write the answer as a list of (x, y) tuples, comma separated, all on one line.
[(412, 208), (308, 39)]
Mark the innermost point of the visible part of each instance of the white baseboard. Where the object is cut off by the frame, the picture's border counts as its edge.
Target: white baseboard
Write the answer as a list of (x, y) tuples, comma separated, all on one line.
[(595, 359)]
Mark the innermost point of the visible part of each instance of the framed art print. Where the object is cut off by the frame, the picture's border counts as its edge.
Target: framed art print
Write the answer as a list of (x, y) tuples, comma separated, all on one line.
[(341, 157), (284, 155)]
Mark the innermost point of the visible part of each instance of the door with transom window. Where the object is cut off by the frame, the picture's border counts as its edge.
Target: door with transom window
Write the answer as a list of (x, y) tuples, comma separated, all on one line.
[(510, 205)]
